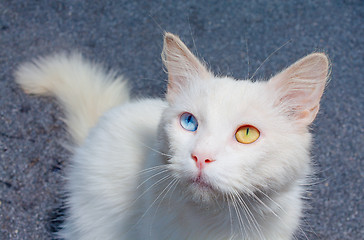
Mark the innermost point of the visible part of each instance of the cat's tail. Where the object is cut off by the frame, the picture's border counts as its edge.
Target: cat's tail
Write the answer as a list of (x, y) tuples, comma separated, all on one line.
[(84, 89)]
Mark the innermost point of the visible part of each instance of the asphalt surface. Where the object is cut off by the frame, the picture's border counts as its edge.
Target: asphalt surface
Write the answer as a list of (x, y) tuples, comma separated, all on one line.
[(233, 37)]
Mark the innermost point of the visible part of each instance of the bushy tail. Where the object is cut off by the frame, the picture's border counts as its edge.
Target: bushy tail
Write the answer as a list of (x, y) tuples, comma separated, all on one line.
[(84, 89)]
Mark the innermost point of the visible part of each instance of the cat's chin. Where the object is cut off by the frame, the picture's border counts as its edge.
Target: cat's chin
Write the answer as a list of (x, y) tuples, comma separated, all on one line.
[(201, 192)]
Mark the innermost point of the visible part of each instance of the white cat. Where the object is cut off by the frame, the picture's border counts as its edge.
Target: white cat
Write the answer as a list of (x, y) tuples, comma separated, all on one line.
[(218, 159)]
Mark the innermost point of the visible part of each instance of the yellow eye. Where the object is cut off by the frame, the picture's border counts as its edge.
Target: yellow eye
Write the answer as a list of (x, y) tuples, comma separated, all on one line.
[(247, 134)]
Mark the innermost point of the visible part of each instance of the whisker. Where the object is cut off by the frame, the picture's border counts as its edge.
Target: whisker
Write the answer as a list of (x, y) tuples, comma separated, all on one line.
[(238, 200), (151, 169), (170, 197), (154, 175), (155, 21), (303, 232), (268, 58), (169, 186), (257, 224), (151, 205), (313, 183), (238, 214), (264, 205), (269, 198), (247, 56), (250, 215), (267, 207), (231, 218), (193, 40), (273, 212), (157, 182), (156, 151)]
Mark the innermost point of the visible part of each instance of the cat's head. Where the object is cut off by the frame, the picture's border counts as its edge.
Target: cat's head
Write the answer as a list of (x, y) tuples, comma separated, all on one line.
[(231, 136)]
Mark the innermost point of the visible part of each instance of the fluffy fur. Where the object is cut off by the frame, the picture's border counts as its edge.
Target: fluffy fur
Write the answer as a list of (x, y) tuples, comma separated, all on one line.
[(133, 175)]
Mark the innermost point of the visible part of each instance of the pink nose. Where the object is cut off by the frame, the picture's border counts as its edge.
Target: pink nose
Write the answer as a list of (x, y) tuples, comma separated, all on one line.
[(201, 160)]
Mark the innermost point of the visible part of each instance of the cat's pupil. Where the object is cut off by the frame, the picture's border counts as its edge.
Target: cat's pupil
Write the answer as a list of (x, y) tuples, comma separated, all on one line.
[(247, 131)]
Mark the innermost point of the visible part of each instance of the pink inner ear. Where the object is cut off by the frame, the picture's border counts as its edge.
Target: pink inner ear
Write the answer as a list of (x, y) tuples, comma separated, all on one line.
[(181, 64), (300, 87)]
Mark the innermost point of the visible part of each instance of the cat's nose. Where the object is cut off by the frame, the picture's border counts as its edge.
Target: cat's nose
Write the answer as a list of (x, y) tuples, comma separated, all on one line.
[(201, 160)]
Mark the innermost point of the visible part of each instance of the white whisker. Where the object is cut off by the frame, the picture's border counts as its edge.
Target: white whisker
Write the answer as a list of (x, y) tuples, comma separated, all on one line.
[(269, 198), (169, 186), (170, 197), (231, 218), (151, 205), (154, 175), (269, 209), (247, 56), (238, 214), (193, 40), (157, 182), (264, 205), (268, 58), (151, 169), (155, 150), (250, 215)]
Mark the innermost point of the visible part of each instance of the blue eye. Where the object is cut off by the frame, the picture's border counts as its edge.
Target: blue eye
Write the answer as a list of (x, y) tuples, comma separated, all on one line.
[(188, 122)]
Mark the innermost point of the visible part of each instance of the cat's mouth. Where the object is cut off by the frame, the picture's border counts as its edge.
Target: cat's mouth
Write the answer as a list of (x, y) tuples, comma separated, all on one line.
[(201, 183), (201, 191)]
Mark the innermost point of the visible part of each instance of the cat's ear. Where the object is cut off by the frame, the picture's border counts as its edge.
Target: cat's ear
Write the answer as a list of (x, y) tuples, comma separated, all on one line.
[(298, 89), (181, 64)]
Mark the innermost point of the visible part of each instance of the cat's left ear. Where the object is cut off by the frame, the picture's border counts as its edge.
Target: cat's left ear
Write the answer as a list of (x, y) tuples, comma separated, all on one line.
[(298, 89), (181, 64)]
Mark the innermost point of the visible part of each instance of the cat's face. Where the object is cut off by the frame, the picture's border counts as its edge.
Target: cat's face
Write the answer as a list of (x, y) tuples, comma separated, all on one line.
[(231, 137), (221, 106)]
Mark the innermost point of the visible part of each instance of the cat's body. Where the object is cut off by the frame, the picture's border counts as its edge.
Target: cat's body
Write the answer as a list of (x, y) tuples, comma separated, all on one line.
[(140, 172)]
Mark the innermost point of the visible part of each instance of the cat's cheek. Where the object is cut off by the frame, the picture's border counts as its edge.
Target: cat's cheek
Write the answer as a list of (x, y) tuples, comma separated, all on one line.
[(242, 162), (177, 137), (183, 165)]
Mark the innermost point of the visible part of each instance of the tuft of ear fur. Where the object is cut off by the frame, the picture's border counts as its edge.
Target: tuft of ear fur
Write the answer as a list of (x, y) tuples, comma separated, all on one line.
[(181, 64), (299, 88)]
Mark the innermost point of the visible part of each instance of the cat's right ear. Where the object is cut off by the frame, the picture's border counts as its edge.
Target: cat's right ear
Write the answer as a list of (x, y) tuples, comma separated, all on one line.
[(181, 64)]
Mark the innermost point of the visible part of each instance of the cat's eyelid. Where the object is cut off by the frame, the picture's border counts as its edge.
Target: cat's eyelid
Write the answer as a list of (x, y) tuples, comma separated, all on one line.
[(247, 124), (186, 112)]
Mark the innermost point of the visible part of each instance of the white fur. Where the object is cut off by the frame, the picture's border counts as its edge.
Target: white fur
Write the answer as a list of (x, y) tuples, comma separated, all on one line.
[(133, 177), (68, 78)]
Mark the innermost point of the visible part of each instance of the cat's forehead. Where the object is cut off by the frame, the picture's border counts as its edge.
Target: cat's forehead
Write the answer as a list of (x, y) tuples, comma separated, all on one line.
[(233, 90), (226, 99), (227, 93)]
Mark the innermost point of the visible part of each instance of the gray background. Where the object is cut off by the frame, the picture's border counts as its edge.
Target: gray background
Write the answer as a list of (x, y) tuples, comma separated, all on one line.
[(233, 37)]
